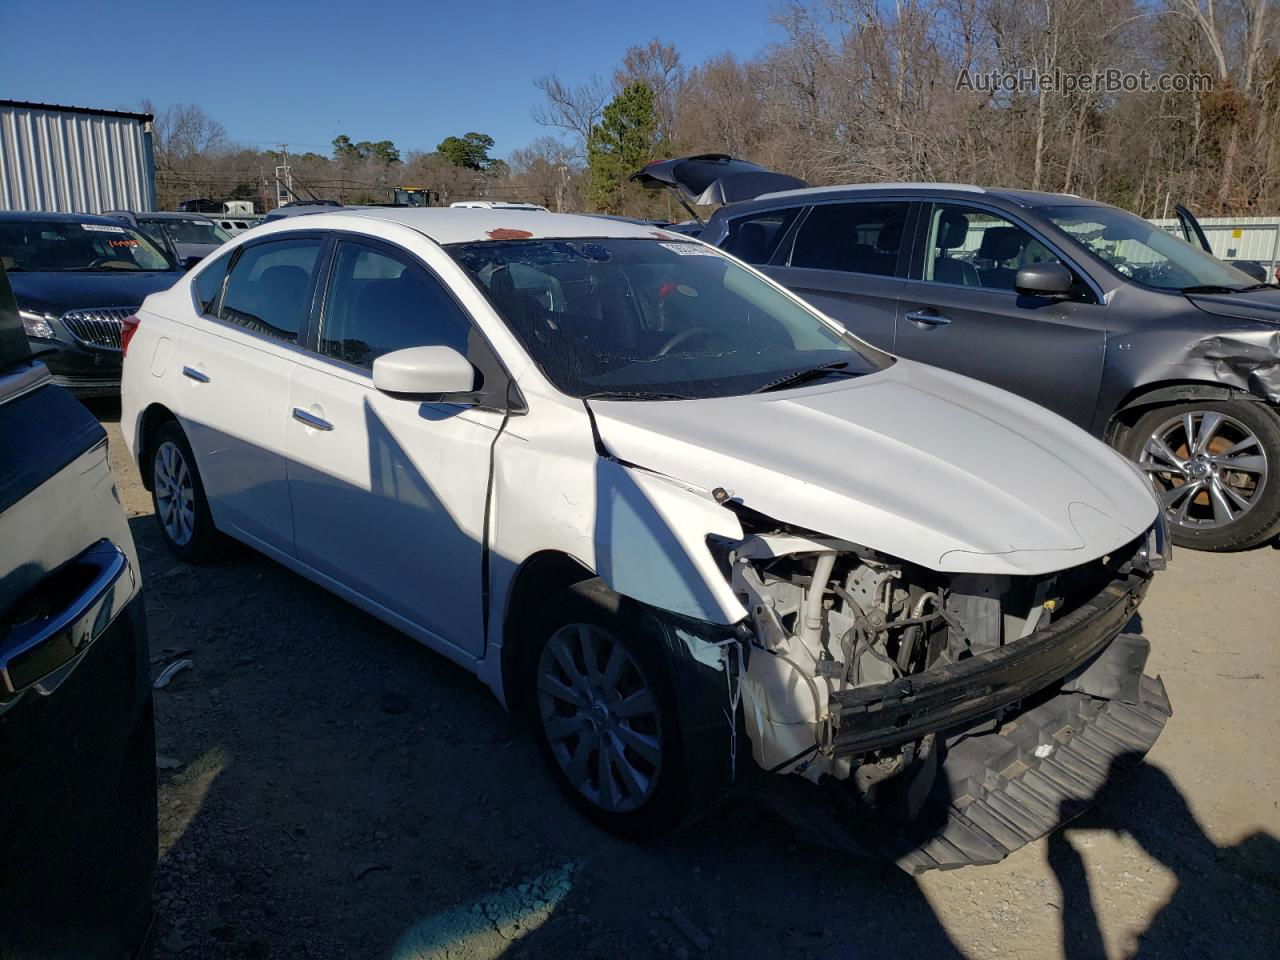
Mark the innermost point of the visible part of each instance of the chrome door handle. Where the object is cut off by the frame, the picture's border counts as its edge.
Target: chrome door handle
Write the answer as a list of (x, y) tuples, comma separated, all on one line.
[(42, 652), (922, 318), (191, 373), (311, 420)]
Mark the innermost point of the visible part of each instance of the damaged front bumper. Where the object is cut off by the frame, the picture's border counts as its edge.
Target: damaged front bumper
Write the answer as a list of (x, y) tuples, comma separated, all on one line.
[(883, 715), (1002, 718)]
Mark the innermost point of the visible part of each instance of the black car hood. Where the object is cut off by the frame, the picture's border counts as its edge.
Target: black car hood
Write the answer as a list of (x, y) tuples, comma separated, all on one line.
[(1261, 305), (58, 292)]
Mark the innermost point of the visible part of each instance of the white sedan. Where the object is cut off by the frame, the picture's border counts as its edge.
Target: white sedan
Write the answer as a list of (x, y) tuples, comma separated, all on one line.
[(688, 524)]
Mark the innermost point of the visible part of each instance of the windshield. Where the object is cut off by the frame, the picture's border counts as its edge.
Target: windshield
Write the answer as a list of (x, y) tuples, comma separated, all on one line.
[(188, 231), (1144, 252), (648, 319), (63, 245)]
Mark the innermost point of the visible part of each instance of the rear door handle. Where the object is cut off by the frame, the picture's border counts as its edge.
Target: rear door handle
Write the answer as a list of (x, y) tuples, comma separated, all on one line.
[(923, 319), (193, 374), (311, 420), (43, 650)]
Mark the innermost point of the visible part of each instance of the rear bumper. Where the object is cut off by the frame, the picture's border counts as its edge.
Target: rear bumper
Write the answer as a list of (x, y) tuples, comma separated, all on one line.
[(877, 716)]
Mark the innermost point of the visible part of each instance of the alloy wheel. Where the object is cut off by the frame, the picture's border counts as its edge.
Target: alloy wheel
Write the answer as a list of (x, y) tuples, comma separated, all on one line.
[(175, 493), (600, 716), (1209, 469)]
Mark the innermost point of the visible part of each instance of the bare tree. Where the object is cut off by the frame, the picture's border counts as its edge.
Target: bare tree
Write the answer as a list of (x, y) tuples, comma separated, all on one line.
[(573, 109)]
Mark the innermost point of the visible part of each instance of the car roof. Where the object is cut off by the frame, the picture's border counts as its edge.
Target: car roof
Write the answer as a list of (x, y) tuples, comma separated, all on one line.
[(470, 224), (1023, 198), (20, 215)]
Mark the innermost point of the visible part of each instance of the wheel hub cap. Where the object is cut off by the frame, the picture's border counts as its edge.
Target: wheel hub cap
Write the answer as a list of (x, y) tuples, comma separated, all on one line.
[(175, 494), (600, 717)]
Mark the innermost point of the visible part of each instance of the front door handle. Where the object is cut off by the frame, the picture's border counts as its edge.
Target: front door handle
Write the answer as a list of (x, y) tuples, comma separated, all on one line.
[(311, 420), (925, 320), (43, 649), (191, 373)]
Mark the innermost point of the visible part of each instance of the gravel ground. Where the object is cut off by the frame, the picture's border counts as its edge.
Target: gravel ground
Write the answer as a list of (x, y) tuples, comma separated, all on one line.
[(330, 789)]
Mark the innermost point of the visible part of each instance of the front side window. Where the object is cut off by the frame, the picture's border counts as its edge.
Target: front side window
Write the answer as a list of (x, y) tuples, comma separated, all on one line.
[(852, 238), (57, 246), (973, 248), (638, 318), (754, 239), (268, 289), (1142, 251), (378, 303)]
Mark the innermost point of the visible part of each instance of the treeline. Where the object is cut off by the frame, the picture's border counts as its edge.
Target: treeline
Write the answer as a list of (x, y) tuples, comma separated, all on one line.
[(864, 90)]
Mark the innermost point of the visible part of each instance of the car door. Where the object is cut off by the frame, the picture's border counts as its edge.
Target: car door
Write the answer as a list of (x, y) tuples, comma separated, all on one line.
[(389, 493), (236, 362), (959, 310), (848, 260), (77, 743)]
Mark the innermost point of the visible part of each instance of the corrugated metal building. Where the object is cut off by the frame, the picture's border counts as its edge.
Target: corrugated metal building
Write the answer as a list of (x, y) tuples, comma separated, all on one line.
[(75, 159)]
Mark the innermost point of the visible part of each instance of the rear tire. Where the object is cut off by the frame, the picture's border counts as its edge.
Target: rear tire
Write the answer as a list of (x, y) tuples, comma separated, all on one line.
[(1216, 466), (602, 706), (177, 493)]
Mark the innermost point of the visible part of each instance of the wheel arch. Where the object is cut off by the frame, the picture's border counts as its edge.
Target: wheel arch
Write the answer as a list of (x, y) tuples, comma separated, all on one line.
[(539, 577), (149, 422), (1165, 393)]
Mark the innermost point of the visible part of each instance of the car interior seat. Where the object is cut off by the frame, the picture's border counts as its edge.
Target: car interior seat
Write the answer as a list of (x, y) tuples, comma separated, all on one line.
[(1000, 245), (953, 227)]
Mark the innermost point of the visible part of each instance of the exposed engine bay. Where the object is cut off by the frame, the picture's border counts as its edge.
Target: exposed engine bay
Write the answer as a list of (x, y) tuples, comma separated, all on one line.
[(863, 670)]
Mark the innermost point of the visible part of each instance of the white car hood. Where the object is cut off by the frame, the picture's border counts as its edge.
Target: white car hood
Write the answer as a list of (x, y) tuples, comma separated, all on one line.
[(925, 465)]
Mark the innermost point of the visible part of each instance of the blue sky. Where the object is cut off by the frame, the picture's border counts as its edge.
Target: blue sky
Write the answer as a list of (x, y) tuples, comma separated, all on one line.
[(412, 72)]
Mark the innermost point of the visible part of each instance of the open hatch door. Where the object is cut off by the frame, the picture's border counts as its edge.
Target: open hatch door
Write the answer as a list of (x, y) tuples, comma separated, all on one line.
[(713, 179)]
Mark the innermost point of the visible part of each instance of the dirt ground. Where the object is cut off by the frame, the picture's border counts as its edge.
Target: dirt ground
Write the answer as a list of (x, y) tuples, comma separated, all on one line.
[(330, 789)]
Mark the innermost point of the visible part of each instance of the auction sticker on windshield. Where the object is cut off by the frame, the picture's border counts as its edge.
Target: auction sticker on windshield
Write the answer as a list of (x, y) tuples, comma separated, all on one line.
[(692, 249), (101, 228)]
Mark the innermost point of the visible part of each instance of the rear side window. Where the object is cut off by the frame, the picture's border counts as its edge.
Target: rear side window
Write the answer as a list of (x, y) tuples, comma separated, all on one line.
[(379, 302), (208, 284), (268, 289), (851, 238), (754, 239)]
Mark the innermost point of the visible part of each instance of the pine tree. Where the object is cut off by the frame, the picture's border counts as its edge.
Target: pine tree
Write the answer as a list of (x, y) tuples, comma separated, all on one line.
[(623, 141)]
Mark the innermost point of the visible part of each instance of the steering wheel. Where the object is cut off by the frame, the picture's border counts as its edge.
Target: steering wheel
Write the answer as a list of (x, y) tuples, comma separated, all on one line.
[(682, 336)]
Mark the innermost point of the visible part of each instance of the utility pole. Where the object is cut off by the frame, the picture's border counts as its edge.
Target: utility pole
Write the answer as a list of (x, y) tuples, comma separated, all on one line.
[(284, 178)]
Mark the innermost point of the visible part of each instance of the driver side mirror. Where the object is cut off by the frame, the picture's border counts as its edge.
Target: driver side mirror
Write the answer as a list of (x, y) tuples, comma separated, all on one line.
[(1044, 280), (424, 371)]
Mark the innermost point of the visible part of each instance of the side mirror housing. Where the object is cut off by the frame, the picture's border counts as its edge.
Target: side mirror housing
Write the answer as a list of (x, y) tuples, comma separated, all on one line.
[(1044, 280), (424, 371)]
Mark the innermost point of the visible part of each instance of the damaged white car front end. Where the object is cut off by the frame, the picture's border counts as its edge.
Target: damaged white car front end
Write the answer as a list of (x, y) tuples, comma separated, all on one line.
[(955, 661)]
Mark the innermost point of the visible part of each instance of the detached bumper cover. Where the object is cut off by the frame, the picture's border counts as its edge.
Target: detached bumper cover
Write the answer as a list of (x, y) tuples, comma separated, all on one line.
[(998, 791)]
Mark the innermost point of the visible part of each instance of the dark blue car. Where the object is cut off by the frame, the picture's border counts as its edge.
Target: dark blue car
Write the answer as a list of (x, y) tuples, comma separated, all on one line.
[(76, 277)]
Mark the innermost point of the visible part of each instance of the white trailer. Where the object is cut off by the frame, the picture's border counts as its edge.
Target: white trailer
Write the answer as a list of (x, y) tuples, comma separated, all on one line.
[(75, 159)]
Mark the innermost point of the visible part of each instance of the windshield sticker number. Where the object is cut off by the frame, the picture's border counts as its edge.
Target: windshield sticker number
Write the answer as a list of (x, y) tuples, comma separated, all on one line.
[(691, 249), (101, 228), (125, 242)]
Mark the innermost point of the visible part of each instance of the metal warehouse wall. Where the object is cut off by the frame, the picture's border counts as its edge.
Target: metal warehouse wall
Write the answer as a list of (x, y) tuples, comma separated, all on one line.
[(74, 160)]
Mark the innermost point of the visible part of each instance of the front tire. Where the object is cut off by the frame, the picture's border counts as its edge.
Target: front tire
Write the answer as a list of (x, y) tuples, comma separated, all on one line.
[(177, 493), (603, 711), (1215, 466)]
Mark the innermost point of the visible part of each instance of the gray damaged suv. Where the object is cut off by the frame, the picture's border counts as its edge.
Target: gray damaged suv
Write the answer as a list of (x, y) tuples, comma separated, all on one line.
[(1169, 354)]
